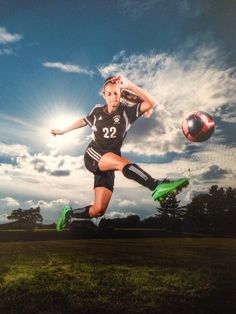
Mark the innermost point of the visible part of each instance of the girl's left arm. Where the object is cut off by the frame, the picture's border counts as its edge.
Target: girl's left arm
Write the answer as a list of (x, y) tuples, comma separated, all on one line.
[(148, 101)]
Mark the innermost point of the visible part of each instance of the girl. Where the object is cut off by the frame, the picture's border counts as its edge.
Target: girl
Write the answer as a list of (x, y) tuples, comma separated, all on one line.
[(110, 123)]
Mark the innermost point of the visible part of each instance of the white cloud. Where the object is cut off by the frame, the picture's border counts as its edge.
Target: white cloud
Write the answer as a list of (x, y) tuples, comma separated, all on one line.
[(49, 164), (6, 37), (48, 204), (4, 219), (70, 68), (9, 202), (45, 175), (127, 203), (50, 210), (118, 56), (14, 150), (117, 214), (181, 83)]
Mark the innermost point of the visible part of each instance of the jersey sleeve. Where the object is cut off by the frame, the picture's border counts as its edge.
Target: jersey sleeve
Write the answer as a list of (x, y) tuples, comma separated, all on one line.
[(90, 118), (133, 112)]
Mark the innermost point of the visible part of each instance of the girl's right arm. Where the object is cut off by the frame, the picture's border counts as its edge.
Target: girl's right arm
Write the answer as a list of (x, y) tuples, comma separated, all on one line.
[(76, 125)]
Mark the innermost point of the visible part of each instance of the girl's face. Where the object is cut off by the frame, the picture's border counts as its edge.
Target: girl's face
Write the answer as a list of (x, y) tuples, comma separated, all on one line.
[(112, 96)]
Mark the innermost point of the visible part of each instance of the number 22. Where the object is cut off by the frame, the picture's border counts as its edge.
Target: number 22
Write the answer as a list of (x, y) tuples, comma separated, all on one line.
[(109, 133)]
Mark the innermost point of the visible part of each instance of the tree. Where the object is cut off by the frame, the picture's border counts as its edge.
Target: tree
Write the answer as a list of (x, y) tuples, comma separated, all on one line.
[(230, 209), (27, 218), (215, 208), (132, 221), (170, 212), (151, 222), (196, 213), (222, 209), (214, 211)]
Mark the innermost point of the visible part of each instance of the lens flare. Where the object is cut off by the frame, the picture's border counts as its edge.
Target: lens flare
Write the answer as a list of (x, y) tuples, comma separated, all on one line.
[(61, 121)]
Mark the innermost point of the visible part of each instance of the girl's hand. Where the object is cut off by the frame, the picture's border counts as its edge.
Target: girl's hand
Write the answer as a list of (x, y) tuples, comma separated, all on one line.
[(122, 81), (56, 132)]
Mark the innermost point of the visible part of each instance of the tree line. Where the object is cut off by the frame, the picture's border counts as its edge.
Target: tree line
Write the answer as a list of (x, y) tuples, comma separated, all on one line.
[(212, 212)]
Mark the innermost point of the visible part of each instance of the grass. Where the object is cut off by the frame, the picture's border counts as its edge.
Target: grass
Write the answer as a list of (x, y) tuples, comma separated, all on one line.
[(119, 276)]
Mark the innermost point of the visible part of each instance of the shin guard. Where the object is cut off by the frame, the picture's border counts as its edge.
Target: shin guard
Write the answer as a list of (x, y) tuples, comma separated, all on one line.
[(134, 172), (81, 212)]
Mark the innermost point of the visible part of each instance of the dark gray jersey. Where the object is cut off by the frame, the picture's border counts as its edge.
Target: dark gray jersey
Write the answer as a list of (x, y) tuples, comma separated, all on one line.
[(109, 129)]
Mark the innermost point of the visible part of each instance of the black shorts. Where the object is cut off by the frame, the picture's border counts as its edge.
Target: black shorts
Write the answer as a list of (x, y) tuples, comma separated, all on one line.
[(101, 178)]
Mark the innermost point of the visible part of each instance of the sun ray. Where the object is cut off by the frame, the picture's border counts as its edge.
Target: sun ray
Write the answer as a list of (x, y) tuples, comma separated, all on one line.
[(59, 115)]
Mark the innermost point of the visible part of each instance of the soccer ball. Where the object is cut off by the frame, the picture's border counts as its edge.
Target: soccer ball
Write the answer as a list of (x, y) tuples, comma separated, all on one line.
[(198, 126)]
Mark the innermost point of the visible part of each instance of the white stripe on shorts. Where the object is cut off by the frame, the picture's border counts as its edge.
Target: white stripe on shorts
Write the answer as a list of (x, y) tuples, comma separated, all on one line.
[(92, 153), (96, 153)]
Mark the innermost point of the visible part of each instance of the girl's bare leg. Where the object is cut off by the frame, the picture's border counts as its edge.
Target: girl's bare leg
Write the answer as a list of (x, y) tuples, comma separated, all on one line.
[(111, 161), (102, 198)]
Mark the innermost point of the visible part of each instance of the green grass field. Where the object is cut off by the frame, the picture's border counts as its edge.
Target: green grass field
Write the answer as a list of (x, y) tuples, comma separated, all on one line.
[(147, 275)]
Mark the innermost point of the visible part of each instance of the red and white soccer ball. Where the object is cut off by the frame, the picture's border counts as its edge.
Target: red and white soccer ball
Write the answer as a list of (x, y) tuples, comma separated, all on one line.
[(198, 126)]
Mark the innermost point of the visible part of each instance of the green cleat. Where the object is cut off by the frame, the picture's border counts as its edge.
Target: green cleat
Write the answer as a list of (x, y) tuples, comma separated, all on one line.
[(163, 189), (64, 219)]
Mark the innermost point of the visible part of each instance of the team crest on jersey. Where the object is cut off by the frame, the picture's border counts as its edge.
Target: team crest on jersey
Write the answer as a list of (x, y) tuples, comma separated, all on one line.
[(116, 119)]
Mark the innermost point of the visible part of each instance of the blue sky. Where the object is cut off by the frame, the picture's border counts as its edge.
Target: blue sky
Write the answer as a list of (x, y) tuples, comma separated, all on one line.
[(54, 57)]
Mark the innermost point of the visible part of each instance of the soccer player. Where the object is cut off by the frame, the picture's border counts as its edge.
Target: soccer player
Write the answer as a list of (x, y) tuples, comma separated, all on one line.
[(110, 123)]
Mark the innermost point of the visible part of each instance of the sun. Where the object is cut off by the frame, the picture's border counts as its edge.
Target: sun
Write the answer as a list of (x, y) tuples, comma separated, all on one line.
[(60, 120), (59, 114)]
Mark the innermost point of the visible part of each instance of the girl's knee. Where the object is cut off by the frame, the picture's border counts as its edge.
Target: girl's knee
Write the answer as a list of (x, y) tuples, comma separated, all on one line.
[(123, 162), (97, 210)]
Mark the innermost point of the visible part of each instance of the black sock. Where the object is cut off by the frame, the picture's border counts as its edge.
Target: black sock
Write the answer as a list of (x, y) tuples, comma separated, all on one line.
[(81, 212), (134, 172)]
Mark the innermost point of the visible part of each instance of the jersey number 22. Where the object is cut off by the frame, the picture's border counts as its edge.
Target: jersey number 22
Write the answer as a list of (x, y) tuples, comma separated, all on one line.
[(109, 132)]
